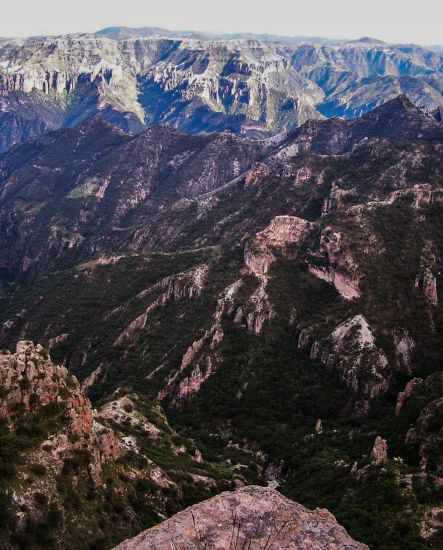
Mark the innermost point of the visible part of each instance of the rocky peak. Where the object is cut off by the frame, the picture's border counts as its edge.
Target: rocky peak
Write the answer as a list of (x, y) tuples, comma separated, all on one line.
[(285, 230), (31, 383), (252, 517), (401, 104), (281, 232), (367, 373), (30, 380), (58, 446), (398, 117)]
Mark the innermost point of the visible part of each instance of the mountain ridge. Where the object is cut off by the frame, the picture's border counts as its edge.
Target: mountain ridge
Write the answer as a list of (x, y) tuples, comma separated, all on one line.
[(253, 88), (193, 166)]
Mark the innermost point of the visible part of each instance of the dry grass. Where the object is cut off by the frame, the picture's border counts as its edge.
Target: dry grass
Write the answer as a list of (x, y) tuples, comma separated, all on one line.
[(268, 531)]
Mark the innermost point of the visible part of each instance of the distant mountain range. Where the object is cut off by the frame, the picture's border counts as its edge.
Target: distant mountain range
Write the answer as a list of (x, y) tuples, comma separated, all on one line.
[(257, 86), (119, 33)]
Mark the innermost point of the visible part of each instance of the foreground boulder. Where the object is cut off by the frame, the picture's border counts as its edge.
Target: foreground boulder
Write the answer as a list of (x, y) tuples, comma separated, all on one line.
[(252, 517)]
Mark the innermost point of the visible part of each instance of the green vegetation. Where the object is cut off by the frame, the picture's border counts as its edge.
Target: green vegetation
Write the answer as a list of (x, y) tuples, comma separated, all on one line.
[(14, 445), (266, 395)]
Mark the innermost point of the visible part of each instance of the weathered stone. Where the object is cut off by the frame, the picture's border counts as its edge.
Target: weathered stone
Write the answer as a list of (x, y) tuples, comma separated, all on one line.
[(30, 381), (379, 451), (250, 517), (406, 394)]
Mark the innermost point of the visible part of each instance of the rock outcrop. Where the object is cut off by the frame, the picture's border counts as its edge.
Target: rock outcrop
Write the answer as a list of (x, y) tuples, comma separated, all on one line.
[(260, 254), (337, 264), (427, 434), (352, 350), (186, 285), (55, 445), (379, 453), (31, 383), (251, 517)]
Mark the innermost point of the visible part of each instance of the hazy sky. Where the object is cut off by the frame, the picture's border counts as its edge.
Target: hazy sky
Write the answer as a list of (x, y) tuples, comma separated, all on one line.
[(418, 21)]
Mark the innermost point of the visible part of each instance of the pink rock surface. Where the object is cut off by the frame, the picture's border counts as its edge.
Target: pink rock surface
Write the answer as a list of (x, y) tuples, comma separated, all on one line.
[(251, 517)]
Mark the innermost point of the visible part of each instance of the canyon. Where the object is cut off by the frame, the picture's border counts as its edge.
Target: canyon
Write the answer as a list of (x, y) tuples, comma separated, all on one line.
[(220, 292), (201, 84)]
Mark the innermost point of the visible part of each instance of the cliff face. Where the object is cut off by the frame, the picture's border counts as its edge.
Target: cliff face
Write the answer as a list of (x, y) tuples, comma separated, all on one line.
[(248, 517), (32, 383), (246, 86)]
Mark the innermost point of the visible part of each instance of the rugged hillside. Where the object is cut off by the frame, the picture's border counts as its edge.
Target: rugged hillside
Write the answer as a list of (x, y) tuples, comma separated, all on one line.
[(247, 518), (199, 84), (77, 193), (80, 191), (281, 300), (69, 472)]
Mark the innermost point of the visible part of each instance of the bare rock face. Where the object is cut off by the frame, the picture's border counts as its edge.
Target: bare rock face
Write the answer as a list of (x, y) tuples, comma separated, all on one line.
[(30, 381), (380, 451), (355, 338), (432, 522), (428, 434), (406, 394), (426, 280), (184, 285), (247, 518), (282, 232), (340, 268)]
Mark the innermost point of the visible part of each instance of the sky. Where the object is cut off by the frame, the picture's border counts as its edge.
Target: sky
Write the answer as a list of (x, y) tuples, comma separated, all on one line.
[(418, 21)]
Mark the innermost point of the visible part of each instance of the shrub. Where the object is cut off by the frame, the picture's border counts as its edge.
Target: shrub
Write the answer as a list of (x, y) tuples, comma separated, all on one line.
[(38, 469)]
